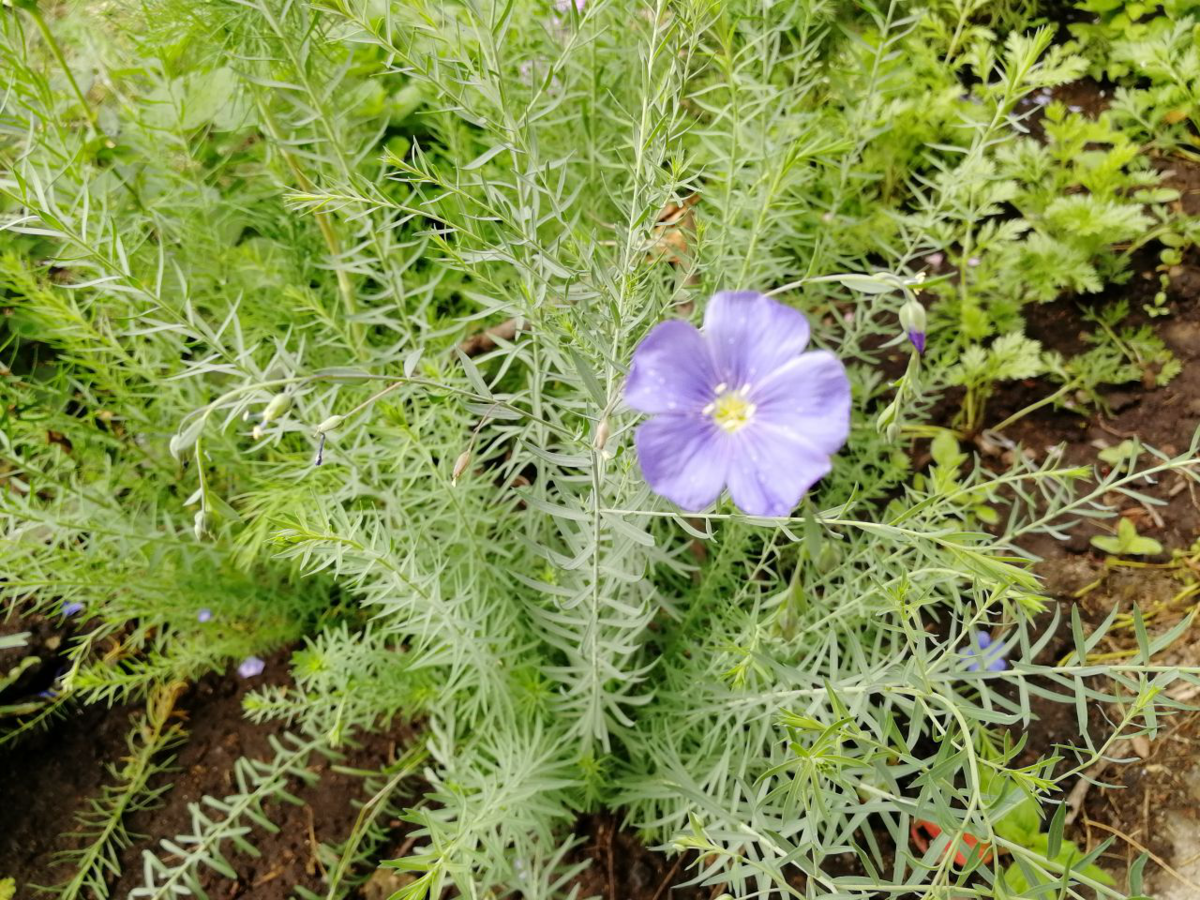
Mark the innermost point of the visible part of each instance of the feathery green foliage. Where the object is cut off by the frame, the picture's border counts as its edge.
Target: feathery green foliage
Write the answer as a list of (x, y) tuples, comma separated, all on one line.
[(243, 243)]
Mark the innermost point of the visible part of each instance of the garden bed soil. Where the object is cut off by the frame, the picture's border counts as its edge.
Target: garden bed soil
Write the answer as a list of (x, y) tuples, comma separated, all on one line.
[(49, 775)]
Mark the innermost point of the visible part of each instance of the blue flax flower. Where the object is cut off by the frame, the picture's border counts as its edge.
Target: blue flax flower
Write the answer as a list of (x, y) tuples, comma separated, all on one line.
[(205, 615), (72, 608), (987, 653), (251, 666), (739, 404)]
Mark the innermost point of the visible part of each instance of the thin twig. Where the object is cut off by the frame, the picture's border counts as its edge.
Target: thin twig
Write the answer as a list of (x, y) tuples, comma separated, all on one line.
[(612, 883), (313, 846), (667, 880), (1142, 849)]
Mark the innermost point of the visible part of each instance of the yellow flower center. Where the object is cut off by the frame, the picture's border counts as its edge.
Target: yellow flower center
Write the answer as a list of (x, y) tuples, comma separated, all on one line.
[(731, 410)]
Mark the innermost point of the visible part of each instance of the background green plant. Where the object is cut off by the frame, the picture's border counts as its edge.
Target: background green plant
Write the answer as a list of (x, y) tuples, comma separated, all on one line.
[(237, 232)]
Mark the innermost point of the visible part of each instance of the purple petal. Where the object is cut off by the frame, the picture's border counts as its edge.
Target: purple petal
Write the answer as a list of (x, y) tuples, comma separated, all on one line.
[(72, 608), (684, 458), (985, 652), (809, 397), (205, 615), (752, 335), (917, 339), (672, 371), (772, 469), (251, 666)]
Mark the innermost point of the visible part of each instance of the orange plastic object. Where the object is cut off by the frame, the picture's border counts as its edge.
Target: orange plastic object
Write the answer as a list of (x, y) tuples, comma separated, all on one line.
[(931, 831)]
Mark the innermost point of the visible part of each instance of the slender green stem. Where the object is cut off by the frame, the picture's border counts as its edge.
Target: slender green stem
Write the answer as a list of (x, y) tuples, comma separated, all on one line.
[(56, 49), (1045, 401)]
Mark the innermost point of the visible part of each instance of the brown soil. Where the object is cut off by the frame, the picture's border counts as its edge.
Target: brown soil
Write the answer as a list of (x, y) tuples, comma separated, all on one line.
[(1137, 797), (47, 777)]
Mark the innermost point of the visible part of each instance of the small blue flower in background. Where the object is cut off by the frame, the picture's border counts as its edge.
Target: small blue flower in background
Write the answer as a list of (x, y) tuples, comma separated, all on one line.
[(205, 615), (988, 654), (72, 608), (251, 666), (739, 404)]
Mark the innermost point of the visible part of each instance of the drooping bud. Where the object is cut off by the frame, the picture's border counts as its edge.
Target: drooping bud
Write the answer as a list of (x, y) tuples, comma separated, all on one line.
[(329, 424), (912, 320), (460, 466), (278, 406), (200, 524)]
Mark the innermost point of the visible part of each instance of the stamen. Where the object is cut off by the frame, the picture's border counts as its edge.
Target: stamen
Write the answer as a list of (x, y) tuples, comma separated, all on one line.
[(731, 411)]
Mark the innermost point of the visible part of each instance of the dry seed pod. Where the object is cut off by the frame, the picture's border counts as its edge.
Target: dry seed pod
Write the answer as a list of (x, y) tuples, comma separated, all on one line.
[(601, 435), (460, 466)]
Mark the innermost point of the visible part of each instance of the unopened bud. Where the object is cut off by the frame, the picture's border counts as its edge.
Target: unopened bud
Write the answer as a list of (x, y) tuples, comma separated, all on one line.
[(601, 437), (256, 433), (329, 424), (200, 524), (912, 320), (278, 406), (460, 465)]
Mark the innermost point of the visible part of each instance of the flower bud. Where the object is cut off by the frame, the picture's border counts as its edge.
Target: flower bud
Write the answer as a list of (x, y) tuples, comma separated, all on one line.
[(329, 424), (912, 320), (460, 465), (278, 406), (200, 524)]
